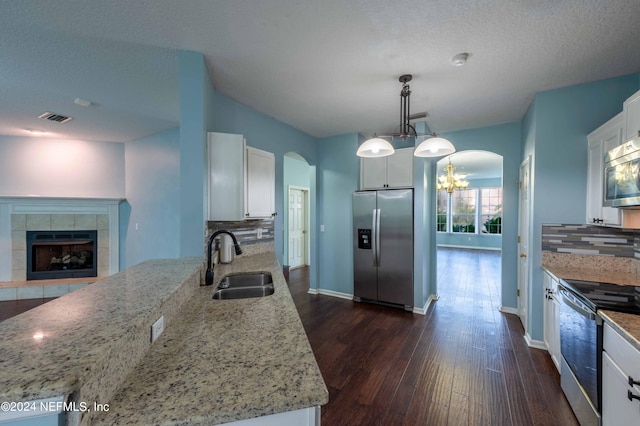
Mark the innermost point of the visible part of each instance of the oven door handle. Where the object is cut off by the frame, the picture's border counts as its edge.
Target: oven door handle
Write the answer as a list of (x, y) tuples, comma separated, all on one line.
[(573, 305)]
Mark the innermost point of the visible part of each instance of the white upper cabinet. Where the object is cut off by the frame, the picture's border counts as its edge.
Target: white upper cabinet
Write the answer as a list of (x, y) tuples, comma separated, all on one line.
[(601, 140), (225, 153), (631, 111), (394, 171), (261, 184), (241, 179)]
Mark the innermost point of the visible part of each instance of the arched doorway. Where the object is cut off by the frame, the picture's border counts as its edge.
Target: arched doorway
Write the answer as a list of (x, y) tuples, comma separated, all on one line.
[(469, 218), (297, 210)]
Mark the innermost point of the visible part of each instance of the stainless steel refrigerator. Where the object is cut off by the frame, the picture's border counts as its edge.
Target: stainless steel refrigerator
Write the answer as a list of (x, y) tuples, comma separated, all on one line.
[(383, 247)]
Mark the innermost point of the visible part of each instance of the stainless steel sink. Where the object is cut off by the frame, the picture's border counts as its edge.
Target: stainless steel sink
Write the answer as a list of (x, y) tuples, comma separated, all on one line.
[(243, 286), (246, 280)]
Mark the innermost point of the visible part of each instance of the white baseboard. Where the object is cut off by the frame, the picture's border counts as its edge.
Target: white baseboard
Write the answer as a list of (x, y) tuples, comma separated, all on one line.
[(538, 344), (469, 247), (312, 291), (423, 310), (335, 294), (508, 310)]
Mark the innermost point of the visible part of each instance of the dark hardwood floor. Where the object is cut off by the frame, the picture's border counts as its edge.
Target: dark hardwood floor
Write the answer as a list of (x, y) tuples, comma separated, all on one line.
[(463, 363), (11, 308)]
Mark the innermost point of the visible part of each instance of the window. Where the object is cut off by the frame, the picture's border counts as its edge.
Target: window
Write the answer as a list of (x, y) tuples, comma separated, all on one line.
[(463, 205), (442, 210), (470, 211), (491, 210)]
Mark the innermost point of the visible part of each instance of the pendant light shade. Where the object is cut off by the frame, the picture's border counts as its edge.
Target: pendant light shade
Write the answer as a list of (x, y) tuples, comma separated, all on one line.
[(375, 147), (434, 147)]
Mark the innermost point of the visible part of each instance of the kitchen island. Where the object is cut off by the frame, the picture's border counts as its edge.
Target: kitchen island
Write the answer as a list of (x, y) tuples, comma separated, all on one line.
[(217, 361)]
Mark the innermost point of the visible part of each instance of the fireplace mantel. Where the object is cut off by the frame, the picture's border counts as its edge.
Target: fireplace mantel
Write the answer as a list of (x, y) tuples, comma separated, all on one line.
[(33, 206)]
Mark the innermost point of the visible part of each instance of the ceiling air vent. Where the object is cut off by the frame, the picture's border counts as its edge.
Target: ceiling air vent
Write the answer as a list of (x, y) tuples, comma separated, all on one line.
[(55, 117)]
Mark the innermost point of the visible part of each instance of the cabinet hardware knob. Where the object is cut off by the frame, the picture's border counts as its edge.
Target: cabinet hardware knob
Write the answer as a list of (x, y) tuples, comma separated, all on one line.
[(523, 255), (633, 382), (631, 396)]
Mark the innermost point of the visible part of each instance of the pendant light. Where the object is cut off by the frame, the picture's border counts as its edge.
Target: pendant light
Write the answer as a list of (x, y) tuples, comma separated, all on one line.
[(432, 146)]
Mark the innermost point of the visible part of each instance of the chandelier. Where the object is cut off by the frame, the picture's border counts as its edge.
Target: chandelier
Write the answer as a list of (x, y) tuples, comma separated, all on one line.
[(432, 146), (449, 181)]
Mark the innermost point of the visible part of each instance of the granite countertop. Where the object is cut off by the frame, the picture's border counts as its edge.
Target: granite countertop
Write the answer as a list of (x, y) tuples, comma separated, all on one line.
[(599, 269), (627, 325), (86, 342), (225, 360)]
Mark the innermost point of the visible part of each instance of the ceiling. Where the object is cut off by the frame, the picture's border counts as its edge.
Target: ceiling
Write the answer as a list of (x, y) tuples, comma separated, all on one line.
[(474, 164), (325, 67)]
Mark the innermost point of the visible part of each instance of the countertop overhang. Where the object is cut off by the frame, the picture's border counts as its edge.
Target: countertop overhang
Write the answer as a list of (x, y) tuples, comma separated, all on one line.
[(217, 361)]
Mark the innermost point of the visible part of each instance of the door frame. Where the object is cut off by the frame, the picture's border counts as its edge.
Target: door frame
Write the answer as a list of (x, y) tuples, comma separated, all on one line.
[(524, 225), (306, 259)]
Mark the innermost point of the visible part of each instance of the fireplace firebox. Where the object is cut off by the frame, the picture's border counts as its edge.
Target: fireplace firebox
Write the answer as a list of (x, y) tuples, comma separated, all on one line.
[(62, 254)]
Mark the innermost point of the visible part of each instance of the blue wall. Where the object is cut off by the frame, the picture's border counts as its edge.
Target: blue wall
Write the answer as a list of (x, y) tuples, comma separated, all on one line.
[(556, 129), (195, 100), (152, 167), (337, 178)]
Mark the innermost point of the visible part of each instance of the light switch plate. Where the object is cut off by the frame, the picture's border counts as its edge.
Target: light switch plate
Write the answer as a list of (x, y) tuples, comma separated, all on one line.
[(157, 328)]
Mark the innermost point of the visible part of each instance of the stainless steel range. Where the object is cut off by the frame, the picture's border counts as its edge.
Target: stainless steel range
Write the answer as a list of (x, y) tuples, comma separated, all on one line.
[(581, 340)]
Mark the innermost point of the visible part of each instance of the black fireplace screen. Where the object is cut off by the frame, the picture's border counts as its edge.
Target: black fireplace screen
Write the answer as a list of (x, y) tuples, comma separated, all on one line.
[(61, 254)]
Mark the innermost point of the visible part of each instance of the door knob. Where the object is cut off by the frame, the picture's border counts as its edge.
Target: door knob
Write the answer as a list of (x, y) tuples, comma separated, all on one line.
[(523, 255)]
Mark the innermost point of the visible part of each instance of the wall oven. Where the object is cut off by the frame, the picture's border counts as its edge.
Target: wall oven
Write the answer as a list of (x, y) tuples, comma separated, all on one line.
[(622, 175)]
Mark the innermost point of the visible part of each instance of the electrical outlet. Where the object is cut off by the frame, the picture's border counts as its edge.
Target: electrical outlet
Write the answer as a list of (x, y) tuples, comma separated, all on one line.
[(321, 228), (157, 328), (259, 233)]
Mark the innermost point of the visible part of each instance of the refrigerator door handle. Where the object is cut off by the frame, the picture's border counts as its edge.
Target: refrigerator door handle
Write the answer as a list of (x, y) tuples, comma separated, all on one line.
[(377, 239), (374, 237)]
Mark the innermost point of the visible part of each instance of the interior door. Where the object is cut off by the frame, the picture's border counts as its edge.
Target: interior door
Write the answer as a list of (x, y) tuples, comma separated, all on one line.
[(297, 233), (523, 240)]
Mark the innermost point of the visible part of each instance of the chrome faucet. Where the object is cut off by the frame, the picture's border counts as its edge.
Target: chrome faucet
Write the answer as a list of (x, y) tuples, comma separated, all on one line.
[(208, 278)]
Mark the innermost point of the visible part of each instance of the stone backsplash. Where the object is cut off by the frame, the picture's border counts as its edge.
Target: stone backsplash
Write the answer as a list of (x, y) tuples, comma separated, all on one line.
[(246, 231), (590, 240)]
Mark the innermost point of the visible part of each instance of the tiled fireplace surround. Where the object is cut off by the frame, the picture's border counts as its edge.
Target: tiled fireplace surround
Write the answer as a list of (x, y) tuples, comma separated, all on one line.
[(21, 214)]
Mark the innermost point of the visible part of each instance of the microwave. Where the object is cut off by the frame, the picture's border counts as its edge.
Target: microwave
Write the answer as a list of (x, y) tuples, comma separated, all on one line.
[(622, 175)]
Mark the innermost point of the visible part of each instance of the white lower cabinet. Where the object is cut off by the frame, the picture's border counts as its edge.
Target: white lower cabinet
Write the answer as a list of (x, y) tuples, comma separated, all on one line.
[(620, 363), (305, 417), (551, 318)]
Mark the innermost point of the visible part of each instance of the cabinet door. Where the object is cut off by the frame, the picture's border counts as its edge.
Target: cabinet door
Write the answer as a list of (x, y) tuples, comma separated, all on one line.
[(400, 169), (594, 182), (551, 316), (225, 172), (260, 193), (617, 409), (631, 111), (373, 173), (601, 140)]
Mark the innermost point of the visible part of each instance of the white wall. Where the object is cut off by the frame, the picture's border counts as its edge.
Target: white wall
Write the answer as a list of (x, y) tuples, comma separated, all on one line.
[(61, 168)]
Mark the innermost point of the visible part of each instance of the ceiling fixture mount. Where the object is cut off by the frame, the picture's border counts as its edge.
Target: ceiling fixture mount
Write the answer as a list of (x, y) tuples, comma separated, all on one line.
[(433, 146), (460, 59), (82, 102), (450, 181)]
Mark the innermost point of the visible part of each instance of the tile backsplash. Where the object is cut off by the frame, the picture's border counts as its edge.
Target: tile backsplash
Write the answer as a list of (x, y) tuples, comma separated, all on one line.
[(591, 240), (246, 231)]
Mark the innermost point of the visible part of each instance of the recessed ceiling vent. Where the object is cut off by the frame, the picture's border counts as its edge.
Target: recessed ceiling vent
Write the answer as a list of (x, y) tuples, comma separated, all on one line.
[(55, 117)]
